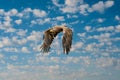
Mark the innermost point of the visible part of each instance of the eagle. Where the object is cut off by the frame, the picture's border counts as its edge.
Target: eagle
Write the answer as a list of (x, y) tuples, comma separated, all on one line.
[(51, 33)]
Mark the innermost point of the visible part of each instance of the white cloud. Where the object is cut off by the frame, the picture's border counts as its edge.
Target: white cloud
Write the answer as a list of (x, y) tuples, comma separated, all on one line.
[(27, 10), (25, 50), (73, 2), (74, 6), (20, 15), (55, 2), (1, 44), (117, 28), (100, 20), (12, 12), (89, 47), (7, 18), (39, 13), (1, 56), (101, 6), (7, 49), (19, 21), (47, 19), (104, 62), (19, 41), (35, 36), (7, 24), (2, 11), (81, 34), (117, 18), (22, 41), (41, 21), (77, 46), (22, 32), (5, 41), (56, 45), (33, 22), (24, 13), (60, 18), (87, 28), (109, 3), (71, 6), (69, 9), (13, 57), (102, 36), (10, 30), (109, 28), (55, 59), (84, 8)]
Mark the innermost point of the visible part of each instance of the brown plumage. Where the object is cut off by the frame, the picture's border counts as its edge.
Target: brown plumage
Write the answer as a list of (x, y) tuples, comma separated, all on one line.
[(50, 34)]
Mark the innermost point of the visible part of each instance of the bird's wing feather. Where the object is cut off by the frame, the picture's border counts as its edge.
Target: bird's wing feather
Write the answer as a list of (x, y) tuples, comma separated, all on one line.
[(49, 35), (67, 40), (47, 41)]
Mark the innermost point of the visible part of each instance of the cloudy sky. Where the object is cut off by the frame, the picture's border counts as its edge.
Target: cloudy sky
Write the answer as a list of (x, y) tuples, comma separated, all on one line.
[(95, 53)]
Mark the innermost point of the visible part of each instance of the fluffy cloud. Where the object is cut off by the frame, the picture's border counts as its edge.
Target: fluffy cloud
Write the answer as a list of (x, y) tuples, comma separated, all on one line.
[(57, 71), (69, 9), (73, 6), (73, 2), (117, 18), (98, 6), (7, 49), (22, 32), (109, 3), (25, 50), (7, 22), (39, 13), (17, 41), (87, 28), (101, 6), (101, 62), (109, 28), (1, 11), (18, 21), (34, 36), (55, 2), (13, 57), (83, 9), (60, 18), (5, 41), (117, 28), (77, 46), (1, 56), (100, 20), (8, 30), (12, 12), (103, 38)]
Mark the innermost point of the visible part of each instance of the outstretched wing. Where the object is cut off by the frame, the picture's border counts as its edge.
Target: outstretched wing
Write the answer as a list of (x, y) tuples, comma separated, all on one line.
[(47, 41), (67, 40), (48, 37)]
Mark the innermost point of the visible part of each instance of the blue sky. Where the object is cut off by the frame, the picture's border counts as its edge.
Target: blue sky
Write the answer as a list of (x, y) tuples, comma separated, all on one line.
[(95, 53)]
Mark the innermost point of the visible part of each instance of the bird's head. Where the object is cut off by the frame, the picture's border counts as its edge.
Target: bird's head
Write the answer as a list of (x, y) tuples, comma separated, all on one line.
[(51, 30)]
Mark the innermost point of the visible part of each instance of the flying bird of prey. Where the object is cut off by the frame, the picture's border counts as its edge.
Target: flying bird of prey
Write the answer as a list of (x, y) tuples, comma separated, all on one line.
[(51, 33)]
